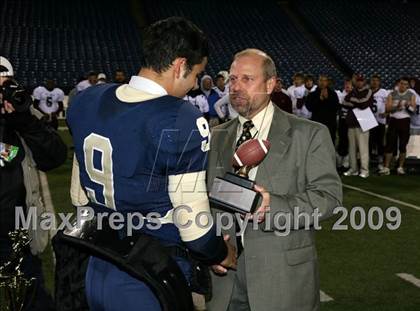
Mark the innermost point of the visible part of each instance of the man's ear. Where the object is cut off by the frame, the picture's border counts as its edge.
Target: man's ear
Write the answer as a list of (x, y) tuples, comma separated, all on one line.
[(179, 66), (271, 83)]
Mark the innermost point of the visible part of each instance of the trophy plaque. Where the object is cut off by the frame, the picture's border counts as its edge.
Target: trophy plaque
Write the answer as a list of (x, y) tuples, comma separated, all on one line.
[(235, 191)]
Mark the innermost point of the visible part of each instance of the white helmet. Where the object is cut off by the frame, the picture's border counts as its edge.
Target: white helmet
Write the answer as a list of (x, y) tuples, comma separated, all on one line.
[(6, 69)]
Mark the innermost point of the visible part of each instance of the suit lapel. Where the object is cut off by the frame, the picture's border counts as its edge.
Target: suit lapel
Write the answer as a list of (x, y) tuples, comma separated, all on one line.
[(226, 146), (280, 140)]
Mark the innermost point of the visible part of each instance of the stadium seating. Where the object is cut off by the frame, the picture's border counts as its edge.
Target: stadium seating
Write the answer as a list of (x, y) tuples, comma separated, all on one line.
[(370, 36), (232, 27), (66, 39)]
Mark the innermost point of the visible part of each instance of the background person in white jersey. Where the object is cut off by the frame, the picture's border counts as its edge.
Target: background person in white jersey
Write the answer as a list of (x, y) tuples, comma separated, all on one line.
[(297, 93), (415, 117), (92, 79), (377, 134), (220, 86), (400, 104), (49, 100)]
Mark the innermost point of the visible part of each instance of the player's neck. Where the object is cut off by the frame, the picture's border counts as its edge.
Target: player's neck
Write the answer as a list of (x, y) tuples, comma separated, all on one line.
[(155, 77)]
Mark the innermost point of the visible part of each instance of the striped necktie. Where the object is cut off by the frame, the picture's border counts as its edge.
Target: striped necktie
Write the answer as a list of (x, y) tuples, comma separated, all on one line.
[(246, 133)]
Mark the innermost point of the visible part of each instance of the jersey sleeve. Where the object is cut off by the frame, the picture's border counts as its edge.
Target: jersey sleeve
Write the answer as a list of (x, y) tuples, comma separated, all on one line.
[(187, 146), (37, 93), (60, 95)]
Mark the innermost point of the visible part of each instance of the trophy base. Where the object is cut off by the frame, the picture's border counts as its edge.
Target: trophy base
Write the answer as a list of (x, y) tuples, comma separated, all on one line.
[(234, 193)]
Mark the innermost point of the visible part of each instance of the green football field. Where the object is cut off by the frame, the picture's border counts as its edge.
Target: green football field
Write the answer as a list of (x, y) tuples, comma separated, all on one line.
[(358, 267)]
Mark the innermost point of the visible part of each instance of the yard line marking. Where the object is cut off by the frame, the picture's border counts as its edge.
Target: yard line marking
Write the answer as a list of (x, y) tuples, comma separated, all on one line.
[(409, 278), (383, 197), (325, 297), (46, 197), (63, 128)]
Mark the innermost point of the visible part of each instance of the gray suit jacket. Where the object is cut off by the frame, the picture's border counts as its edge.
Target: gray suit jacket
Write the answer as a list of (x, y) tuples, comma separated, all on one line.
[(299, 170)]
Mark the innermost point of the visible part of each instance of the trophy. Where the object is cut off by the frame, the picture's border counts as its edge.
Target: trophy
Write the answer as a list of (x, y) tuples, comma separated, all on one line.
[(235, 191), (15, 289)]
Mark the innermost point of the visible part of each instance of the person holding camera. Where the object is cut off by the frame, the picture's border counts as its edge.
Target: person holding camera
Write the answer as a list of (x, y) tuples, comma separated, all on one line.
[(27, 145)]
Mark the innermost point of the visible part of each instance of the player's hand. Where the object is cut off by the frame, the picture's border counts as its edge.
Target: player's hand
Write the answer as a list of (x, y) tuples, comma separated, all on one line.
[(261, 211), (229, 262)]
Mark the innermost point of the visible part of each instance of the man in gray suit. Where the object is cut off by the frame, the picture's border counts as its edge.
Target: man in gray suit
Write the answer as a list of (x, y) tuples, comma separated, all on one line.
[(277, 269)]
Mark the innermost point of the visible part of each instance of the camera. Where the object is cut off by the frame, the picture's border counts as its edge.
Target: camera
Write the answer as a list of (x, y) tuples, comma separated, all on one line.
[(15, 94)]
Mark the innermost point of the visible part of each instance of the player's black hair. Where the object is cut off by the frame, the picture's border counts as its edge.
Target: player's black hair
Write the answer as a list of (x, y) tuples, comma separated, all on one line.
[(219, 76), (171, 38)]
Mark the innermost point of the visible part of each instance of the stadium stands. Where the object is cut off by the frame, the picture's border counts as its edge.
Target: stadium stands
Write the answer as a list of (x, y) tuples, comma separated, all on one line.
[(233, 27), (66, 39), (370, 36)]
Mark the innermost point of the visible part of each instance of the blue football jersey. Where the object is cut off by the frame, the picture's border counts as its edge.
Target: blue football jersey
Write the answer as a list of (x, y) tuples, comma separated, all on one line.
[(126, 151)]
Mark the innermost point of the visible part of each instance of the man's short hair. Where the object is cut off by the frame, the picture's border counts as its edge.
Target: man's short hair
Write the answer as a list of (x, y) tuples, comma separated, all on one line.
[(309, 77), (298, 75), (269, 67), (376, 76), (172, 38), (405, 78), (219, 76)]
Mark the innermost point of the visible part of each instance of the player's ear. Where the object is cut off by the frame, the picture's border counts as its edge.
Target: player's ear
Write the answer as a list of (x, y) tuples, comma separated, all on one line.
[(179, 67)]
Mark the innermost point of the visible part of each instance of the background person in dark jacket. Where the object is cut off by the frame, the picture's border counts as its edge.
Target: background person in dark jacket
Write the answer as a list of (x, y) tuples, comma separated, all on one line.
[(324, 105), (280, 97), (39, 147), (360, 97)]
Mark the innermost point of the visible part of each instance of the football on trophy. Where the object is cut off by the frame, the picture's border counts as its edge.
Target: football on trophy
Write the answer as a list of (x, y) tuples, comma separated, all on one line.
[(251, 153)]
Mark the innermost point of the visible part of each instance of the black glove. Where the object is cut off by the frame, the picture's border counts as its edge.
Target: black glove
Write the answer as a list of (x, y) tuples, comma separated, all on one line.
[(18, 120)]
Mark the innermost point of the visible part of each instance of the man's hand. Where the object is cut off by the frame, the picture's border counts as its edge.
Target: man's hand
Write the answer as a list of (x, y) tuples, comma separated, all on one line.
[(230, 261), (8, 107), (265, 204), (263, 208)]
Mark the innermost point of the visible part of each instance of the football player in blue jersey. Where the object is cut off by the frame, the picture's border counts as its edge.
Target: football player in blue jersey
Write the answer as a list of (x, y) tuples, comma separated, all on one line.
[(140, 148)]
